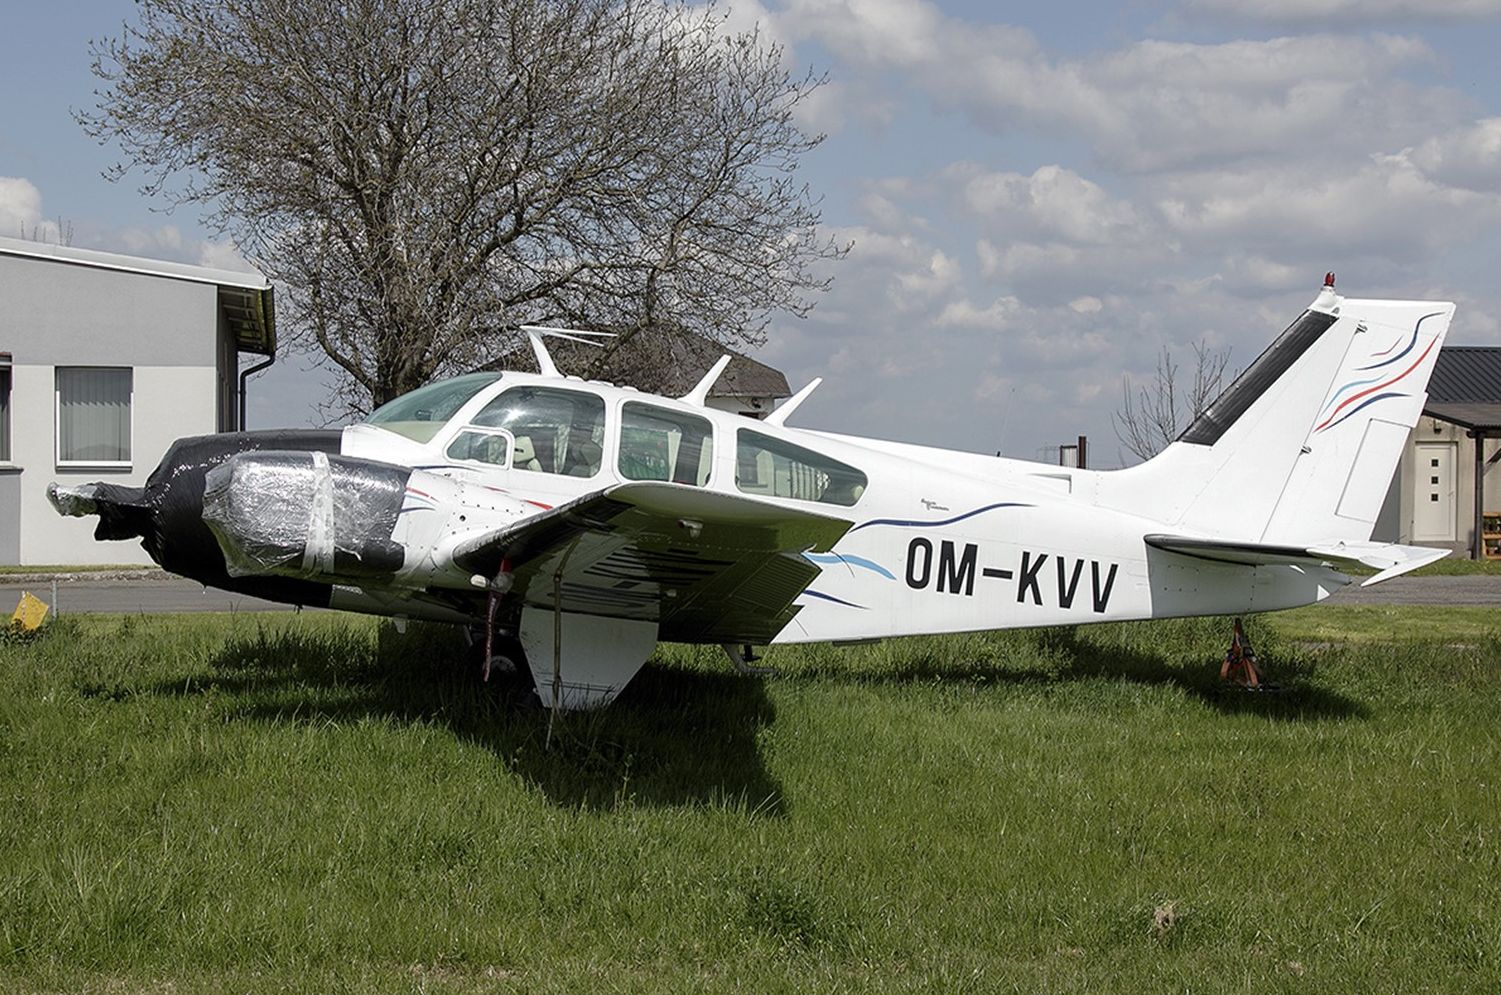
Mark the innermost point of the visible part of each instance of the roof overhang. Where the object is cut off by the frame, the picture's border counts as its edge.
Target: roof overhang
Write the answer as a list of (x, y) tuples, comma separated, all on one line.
[(250, 314), (1476, 416), (245, 299)]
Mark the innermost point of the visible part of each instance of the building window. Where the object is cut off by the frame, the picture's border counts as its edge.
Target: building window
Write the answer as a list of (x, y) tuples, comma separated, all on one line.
[(4, 409), (93, 415)]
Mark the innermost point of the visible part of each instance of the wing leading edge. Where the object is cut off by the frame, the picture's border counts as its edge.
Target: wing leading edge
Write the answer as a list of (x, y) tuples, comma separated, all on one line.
[(1389, 559), (705, 566)]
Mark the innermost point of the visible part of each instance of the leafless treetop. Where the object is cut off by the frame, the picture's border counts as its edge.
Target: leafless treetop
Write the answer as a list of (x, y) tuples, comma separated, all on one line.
[(419, 177)]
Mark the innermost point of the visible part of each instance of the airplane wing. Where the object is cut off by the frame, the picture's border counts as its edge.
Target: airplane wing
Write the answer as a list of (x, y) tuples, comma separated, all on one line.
[(705, 566), (1389, 559)]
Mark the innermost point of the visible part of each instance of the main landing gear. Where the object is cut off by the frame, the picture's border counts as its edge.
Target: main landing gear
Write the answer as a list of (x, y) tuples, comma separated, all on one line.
[(742, 657)]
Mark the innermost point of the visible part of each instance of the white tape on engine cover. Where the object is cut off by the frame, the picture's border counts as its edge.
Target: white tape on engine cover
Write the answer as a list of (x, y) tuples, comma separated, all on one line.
[(318, 557)]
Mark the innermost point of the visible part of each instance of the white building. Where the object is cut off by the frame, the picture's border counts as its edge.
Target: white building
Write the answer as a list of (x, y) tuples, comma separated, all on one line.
[(1442, 480), (105, 361)]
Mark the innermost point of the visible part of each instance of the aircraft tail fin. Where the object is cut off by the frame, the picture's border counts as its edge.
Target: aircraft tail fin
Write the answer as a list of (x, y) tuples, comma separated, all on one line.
[(1300, 450)]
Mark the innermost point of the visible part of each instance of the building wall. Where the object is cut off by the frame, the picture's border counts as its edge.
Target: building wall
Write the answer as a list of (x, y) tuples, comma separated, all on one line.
[(10, 517), (167, 403), (1411, 475), (227, 384), (61, 314)]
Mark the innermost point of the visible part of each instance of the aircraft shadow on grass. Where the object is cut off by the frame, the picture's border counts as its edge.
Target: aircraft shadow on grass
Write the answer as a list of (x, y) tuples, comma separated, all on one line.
[(675, 737), (1294, 697)]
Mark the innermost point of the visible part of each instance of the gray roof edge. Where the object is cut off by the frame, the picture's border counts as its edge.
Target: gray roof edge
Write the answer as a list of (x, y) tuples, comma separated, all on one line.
[(133, 264), (1475, 415)]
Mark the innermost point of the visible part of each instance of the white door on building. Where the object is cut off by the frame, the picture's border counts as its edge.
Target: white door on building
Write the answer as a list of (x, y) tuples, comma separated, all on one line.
[(1433, 494)]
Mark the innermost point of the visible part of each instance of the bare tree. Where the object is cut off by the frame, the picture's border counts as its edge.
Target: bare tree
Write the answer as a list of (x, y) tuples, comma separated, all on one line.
[(420, 177), (1155, 413)]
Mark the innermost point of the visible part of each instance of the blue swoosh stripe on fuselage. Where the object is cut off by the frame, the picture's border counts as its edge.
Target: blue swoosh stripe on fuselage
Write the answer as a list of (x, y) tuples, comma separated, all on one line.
[(830, 597), (905, 523), (854, 561)]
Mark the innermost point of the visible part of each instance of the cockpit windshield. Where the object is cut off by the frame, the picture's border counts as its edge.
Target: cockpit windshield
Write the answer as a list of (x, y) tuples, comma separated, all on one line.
[(420, 414)]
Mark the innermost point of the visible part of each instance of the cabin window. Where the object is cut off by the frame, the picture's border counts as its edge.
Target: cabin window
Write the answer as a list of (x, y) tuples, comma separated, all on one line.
[(419, 414), (554, 431), (481, 446), (771, 467), (658, 444)]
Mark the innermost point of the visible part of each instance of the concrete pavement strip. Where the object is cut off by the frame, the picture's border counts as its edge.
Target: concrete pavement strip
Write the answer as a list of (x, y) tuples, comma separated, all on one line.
[(150, 591)]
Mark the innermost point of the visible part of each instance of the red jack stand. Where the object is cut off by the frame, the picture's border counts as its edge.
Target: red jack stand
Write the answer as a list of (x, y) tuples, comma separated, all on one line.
[(1239, 667)]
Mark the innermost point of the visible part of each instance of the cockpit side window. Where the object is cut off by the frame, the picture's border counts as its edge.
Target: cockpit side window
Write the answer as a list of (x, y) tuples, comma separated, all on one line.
[(419, 414), (491, 446), (659, 444), (555, 431), (764, 465)]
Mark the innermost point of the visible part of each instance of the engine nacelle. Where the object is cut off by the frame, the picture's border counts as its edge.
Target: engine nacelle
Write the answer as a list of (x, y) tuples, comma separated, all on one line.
[(342, 520), (306, 514)]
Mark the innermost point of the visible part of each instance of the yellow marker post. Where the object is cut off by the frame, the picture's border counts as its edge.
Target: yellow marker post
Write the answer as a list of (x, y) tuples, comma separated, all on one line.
[(29, 613)]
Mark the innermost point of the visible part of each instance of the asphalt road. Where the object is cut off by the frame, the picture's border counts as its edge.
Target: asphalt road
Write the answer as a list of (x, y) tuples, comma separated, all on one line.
[(160, 593), (134, 595), (1472, 590)]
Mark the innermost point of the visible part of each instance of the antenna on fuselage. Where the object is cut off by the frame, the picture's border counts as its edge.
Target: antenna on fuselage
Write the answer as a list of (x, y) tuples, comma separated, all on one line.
[(779, 416), (699, 395), (536, 333)]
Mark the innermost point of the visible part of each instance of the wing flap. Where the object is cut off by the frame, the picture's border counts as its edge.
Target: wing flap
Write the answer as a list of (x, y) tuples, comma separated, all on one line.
[(704, 565), (1389, 559)]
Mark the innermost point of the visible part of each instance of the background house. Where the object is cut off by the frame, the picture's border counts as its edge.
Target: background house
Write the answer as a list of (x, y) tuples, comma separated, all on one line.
[(1443, 476), (105, 360)]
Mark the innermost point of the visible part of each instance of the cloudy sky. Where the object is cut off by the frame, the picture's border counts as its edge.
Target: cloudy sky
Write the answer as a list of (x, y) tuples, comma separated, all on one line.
[(1040, 196)]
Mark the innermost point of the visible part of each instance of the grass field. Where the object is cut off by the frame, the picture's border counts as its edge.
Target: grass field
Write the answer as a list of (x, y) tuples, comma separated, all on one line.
[(315, 803)]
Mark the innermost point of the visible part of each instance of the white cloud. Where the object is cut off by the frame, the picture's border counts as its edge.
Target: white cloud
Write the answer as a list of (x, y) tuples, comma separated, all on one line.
[(1347, 12), (1467, 157), (1151, 105), (1052, 202), (20, 206), (994, 316), (914, 271), (1387, 207), (225, 256), (156, 242)]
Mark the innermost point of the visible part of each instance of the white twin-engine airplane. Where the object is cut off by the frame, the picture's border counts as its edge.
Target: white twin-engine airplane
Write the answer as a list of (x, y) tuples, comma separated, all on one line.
[(581, 522)]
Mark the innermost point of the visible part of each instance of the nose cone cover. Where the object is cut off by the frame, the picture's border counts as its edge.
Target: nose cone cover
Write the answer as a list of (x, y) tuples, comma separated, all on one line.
[(306, 514)]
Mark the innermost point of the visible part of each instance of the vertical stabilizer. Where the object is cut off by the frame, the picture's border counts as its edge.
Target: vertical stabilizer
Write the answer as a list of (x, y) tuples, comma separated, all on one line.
[(1302, 447)]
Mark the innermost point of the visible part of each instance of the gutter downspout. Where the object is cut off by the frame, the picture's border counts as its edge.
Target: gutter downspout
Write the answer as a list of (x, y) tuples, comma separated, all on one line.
[(246, 376)]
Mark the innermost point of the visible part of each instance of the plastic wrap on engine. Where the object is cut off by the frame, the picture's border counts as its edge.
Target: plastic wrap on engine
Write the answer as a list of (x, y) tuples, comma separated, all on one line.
[(306, 514)]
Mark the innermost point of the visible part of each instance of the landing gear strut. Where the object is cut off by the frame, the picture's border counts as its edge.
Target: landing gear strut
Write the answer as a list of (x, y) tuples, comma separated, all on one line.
[(742, 658)]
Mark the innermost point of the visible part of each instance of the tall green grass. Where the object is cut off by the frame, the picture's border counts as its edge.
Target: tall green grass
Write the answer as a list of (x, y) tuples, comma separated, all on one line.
[(316, 803)]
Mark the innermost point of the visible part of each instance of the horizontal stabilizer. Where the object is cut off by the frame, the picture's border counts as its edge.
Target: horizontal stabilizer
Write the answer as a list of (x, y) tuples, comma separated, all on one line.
[(1389, 559)]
